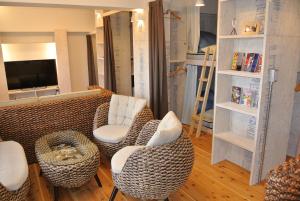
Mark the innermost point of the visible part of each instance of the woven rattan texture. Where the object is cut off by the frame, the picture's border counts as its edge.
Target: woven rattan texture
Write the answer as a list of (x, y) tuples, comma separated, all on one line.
[(155, 172), (26, 123), (101, 119), (284, 182), (147, 132), (19, 195), (69, 173)]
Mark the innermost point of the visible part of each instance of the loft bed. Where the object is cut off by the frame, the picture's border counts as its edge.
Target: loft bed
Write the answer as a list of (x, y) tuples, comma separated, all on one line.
[(206, 39)]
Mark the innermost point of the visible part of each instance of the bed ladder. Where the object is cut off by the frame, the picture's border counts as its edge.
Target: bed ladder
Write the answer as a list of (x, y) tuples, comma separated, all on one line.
[(210, 56)]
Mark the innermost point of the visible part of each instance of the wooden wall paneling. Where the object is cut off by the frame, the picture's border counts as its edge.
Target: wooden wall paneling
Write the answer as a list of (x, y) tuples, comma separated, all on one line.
[(282, 50), (120, 23), (62, 60), (176, 49), (141, 57)]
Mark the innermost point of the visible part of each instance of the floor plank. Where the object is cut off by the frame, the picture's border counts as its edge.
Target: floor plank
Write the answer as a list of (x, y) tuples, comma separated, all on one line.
[(223, 181)]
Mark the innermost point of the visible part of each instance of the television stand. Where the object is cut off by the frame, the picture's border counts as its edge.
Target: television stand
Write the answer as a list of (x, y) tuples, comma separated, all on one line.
[(33, 92)]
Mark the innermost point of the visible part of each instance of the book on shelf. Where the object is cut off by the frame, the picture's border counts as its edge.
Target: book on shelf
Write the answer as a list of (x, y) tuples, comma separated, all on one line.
[(249, 62), (237, 61), (236, 94), (234, 61)]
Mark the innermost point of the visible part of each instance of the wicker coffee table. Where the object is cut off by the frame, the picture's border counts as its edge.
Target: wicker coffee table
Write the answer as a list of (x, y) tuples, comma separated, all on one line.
[(67, 159)]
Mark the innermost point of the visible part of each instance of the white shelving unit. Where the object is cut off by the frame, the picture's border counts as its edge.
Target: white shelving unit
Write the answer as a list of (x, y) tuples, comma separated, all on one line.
[(238, 108), (100, 46), (239, 130), (241, 36), (240, 141), (239, 73)]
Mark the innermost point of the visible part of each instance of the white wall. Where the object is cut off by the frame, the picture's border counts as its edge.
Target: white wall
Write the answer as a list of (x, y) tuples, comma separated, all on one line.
[(127, 4), (28, 51), (29, 25), (78, 61), (26, 37), (3, 82), (38, 19)]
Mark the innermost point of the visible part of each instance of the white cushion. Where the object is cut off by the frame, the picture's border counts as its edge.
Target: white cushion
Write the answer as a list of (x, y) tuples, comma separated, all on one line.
[(169, 129), (111, 133), (119, 159), (13, 165), (123, 109)]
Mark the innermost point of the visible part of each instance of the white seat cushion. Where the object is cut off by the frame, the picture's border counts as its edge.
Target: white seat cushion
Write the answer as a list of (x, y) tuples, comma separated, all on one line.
[(168, 130), (123, 109), (13, 165), (119, 159), (111, 133)]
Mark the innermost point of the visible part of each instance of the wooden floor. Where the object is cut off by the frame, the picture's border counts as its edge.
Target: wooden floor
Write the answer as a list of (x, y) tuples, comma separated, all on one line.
[(224, 181)]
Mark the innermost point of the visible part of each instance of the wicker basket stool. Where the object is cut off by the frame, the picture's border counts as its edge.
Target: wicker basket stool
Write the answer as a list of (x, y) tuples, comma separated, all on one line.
[(284, 182), (67, 173)]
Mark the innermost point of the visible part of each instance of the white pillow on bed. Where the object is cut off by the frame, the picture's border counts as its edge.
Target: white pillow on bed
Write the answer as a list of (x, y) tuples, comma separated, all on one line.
[(169, 130)]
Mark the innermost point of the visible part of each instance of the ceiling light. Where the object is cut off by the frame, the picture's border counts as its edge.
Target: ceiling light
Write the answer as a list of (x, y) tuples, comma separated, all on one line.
[(200, 3)]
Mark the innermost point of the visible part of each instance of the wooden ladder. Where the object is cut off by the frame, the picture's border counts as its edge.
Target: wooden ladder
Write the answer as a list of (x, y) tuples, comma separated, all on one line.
[(198, 118)]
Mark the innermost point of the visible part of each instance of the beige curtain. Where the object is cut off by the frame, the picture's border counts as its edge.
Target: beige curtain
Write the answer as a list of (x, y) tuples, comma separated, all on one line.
[(109, 60), (193, 28), (157, 56)]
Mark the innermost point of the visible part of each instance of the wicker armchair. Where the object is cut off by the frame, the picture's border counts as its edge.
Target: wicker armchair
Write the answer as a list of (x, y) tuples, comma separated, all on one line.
[(19, 195), (153, 172), (14, 178), (113, 129), (284, 182)]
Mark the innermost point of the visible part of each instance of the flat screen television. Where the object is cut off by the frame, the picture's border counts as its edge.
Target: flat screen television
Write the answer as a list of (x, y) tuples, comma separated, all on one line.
[(30, 74)]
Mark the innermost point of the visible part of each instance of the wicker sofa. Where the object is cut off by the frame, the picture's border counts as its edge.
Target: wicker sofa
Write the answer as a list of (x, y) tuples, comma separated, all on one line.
[(27, 120)]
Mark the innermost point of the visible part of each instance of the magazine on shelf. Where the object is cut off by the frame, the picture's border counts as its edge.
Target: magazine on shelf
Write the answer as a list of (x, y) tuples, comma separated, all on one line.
[(246, 97), (250, 62)]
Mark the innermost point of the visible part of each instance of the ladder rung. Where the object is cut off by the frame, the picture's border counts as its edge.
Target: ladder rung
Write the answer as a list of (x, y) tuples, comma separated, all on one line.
[(200, 99), (205, 79), (196, 117)]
